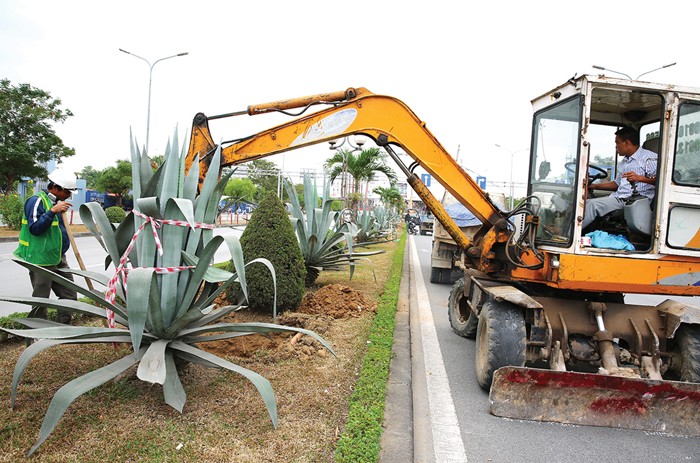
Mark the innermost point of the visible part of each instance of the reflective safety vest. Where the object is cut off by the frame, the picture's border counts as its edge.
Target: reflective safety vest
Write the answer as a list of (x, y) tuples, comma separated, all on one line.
[(44, 249)]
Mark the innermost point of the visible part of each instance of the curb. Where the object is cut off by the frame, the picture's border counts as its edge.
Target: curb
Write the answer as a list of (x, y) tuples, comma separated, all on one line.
[(397, 437)]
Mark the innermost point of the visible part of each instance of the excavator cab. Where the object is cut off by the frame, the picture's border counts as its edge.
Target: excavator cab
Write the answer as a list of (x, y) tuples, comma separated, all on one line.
[(573, 143)]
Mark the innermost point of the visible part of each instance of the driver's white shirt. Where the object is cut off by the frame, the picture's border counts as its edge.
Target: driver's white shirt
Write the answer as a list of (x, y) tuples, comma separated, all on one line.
[(642, 162)]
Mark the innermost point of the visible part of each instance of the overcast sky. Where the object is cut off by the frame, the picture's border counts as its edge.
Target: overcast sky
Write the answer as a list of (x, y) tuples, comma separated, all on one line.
[(468, 71)]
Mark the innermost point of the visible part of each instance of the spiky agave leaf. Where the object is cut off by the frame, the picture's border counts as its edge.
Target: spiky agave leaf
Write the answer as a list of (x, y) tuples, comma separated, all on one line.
[(326, 244), (40, 346), (56, 278), (165, 314), (74, 389)]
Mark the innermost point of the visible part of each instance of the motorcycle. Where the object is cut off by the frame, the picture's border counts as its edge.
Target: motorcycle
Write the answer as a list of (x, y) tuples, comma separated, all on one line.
[(412, 227)]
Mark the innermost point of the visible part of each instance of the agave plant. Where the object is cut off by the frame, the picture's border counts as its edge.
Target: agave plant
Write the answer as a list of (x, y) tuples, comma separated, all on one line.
[(325, 243), (368, 227), (386, 220), (166, 247)]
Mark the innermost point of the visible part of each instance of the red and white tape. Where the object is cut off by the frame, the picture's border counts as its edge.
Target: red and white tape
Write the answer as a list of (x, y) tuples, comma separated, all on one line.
[(122, 270)]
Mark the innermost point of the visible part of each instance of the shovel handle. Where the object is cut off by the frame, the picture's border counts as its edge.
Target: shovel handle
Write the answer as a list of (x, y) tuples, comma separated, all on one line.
[(75, 251)]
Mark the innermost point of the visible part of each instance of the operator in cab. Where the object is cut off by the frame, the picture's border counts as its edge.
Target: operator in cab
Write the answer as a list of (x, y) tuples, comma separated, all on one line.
[(637, 170)]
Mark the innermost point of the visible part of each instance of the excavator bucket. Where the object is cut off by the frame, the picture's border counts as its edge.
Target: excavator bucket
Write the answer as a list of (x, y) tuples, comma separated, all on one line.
[(591, 399)]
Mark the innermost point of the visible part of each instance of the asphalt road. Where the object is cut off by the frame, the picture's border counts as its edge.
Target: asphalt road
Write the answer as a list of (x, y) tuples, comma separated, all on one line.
[(14, 279), (486, 438)]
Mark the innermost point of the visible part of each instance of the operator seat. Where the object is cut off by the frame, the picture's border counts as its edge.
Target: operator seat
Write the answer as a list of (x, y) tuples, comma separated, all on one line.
[(652, 144), (638, 213)]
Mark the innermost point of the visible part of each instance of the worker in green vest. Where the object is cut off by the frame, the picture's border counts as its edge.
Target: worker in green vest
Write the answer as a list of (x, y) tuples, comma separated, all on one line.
[(43, 240)]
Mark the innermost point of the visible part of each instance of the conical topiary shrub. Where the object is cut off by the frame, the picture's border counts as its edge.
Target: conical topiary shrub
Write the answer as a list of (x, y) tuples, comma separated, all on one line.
[(270, 235)]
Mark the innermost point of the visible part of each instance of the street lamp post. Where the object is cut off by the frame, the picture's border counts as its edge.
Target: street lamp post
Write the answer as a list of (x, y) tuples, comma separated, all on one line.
[(150, 79), (512, 154), (356, 147)]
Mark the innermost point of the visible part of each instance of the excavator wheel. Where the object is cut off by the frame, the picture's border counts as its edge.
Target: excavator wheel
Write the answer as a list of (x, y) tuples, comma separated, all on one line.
[(688, 351), (462, 320), (500, 340)]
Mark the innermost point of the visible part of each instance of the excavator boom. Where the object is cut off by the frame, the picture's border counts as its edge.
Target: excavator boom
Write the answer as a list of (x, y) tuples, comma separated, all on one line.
[(386, 120)]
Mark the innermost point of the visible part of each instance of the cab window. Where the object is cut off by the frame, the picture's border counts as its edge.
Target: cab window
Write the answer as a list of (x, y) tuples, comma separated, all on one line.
[(686, 167), (553, 170)]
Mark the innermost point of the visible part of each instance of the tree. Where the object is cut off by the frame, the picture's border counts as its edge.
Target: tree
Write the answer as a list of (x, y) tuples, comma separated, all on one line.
[(362, 168), (116, 180), (90, 175), (27, 139), (265, 175), (391, 197), (239, 189)]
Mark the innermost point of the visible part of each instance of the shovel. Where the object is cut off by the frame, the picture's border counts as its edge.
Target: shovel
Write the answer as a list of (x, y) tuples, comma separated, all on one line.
[(75, 250), (596, 400)]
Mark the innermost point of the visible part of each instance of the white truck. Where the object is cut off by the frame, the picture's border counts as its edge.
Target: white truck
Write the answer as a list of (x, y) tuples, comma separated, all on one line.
[(427, 221), (445, 259)]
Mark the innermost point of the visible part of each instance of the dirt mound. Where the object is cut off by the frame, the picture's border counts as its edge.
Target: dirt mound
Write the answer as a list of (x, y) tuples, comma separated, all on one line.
[(337, 301), (316, 312)]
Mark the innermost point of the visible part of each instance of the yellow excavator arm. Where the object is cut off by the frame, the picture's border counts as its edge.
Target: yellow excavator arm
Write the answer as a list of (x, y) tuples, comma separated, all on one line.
[(492, 250), (389, 122)]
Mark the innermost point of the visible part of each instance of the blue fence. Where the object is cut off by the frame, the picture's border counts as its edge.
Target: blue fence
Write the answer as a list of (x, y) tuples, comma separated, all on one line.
[(106, 200)]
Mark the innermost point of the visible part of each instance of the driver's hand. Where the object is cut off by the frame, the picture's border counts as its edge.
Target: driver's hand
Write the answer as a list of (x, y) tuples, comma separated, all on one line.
[(632, 176)]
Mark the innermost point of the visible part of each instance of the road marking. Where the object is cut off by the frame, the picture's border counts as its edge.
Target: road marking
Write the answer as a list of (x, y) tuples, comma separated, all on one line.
[(447, 438)]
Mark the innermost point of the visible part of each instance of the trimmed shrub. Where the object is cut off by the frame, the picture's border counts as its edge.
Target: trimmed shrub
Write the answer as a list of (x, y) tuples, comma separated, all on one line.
[(269, 235), (115, 214), (11, 210)]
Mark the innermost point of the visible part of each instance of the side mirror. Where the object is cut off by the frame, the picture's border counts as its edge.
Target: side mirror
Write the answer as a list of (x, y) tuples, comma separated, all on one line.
[(544, 169)]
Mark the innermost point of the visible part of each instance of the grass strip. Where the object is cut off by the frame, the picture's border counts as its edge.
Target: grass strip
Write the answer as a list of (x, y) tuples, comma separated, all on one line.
[(361, 439)]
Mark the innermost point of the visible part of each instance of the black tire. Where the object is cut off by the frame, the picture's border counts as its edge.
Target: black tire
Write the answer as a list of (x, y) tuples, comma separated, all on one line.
[(688, 352), (462, 320), (440, 276), (500, 340)]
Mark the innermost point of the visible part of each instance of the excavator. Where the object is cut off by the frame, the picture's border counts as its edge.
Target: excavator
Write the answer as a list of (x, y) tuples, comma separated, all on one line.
[(555, 340)]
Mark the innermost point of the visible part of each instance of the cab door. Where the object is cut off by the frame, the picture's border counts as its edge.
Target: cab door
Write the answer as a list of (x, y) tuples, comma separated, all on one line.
[(678, 184)]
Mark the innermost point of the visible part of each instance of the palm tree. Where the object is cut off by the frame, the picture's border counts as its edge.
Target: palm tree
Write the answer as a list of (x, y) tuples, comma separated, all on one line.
[(362, 168), (391, 198)]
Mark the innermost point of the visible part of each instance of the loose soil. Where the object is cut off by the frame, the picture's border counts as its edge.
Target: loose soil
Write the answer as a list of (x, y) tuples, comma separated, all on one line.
[(317, 311)]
